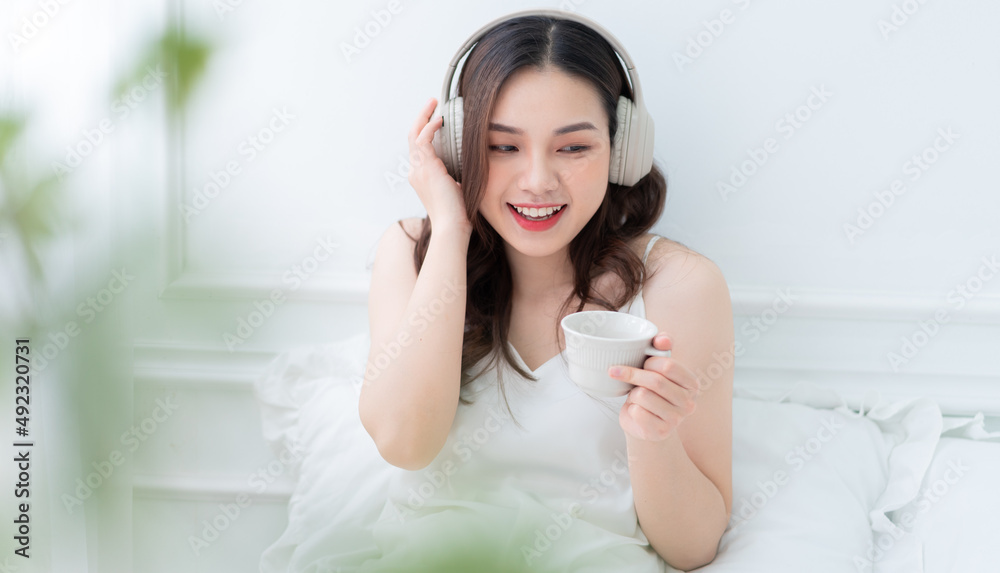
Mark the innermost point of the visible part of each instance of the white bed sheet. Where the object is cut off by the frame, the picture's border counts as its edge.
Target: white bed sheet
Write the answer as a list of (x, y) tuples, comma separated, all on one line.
[(816, 486)]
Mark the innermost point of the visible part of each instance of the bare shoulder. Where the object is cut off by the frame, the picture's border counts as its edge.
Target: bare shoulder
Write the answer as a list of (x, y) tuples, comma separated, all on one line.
[(675, 267), (401, 236), (394, 255), (411, 225)]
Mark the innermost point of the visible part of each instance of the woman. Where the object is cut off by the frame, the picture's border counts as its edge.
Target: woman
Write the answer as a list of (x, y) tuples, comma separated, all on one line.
[(477, 289)]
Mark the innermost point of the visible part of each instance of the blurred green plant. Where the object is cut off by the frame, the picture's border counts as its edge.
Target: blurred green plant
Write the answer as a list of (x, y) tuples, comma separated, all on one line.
[(30, 201), (182, 57), (29, 211), (89, 379)]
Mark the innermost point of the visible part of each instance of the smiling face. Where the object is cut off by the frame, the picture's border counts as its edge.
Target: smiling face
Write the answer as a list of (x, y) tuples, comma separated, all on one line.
[(548, 147)]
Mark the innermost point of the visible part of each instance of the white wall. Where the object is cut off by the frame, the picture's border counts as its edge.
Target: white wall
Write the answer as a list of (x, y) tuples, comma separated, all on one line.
[(721, 82), (887, 97), (332, 174)]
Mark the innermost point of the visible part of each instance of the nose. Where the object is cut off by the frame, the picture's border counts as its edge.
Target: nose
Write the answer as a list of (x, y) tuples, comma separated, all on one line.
[(539, 175)]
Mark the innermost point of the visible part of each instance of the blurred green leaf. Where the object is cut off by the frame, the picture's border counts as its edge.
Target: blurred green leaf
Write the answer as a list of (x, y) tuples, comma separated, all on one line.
[(30, 207), (37, 218), (180, 56), (11, 127)]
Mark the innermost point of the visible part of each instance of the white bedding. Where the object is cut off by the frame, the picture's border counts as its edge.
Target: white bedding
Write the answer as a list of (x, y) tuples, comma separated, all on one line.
[(816, 486)]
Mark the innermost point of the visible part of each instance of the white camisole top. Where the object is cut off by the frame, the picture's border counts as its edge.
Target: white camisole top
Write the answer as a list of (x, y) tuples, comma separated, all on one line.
[(551, 495)]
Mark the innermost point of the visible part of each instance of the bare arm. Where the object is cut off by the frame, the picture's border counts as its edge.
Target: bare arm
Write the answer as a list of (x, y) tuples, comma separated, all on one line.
[(682, 480), (413, 376), (417, 323)]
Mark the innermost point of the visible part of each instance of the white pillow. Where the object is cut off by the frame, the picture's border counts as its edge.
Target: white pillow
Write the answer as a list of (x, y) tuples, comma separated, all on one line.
[(817, 515), (804, 480), (308, 399), (951, 524)]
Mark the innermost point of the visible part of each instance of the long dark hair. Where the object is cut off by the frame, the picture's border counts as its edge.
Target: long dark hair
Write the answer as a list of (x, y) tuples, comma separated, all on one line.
[(601, 246)]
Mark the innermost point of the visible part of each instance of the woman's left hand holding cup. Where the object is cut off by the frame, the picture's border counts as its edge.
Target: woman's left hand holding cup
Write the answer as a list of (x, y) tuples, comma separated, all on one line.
[(665, 393)]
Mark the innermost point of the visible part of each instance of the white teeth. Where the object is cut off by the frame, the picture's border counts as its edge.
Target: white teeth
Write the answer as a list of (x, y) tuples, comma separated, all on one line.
[(536, 212)]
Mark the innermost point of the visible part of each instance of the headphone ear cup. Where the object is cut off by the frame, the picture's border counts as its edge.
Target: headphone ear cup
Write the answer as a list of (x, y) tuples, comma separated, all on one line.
[(643, 158), (619, 149), (448, 139), (457, 115), (439, 141)]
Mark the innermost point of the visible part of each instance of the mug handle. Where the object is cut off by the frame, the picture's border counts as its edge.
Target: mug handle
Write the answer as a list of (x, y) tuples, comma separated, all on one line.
[(651, 351)]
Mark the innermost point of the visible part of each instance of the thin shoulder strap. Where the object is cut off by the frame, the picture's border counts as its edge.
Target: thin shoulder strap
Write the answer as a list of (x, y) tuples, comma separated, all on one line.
[(649, 247)]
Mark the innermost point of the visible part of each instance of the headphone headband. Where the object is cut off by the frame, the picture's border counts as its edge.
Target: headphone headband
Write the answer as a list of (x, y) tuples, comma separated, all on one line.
[(564, 15), (631, 155)]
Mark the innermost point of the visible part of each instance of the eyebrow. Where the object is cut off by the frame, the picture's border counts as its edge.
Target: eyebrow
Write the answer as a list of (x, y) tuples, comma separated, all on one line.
[(561, 131)]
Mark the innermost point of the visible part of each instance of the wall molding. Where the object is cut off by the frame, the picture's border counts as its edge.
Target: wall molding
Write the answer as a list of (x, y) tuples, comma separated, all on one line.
[(199, 367), (201, 488), (348, 289), (194, 368), (957, 394), (863, 305), (747, 300)]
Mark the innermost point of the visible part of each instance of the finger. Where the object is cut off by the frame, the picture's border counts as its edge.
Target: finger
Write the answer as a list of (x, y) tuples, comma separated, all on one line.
[(674, 371), (424, 141), (651, 384), (671, 407), (422, 150), (421, 121), (663, 342), (658, 378), (627, 418), (643, 423), (427, 132)]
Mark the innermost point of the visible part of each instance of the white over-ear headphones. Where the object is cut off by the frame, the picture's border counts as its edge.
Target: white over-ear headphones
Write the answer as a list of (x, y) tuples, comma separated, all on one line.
[(632, 150)]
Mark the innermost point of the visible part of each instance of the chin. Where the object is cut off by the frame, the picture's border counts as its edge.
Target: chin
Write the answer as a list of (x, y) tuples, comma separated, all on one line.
[(537, 245)]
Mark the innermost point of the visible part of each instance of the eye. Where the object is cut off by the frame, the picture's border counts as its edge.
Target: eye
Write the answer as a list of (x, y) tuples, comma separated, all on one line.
[(503, 148), (576, 148)]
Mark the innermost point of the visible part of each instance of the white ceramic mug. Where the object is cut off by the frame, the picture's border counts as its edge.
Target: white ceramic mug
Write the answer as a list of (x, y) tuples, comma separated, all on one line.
[(596, 340)]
